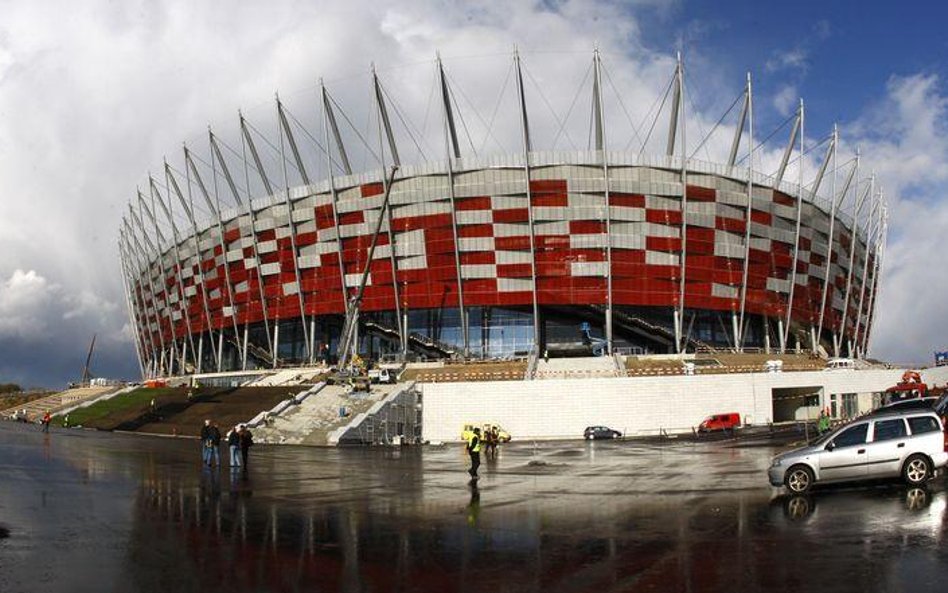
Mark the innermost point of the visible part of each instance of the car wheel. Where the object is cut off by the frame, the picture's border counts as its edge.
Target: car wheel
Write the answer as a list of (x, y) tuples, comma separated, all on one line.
[(916, 499), (797, 508), (917, 470), (799, 479)]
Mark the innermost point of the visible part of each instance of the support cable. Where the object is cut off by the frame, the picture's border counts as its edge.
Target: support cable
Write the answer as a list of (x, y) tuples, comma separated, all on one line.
[(490, 125), (717, 125), (546, 102), (657, 113), (579, 91), (635, 129)]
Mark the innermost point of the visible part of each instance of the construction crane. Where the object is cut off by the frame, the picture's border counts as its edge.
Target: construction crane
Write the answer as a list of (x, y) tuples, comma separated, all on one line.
[(347, 342), (86, 374)]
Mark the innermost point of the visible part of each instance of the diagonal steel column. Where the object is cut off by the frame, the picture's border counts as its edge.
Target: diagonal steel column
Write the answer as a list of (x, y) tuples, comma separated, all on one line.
[(681, 340), (836, 201), (134, 309), (160, 257), (188, 207), (330, 123), (877, 271), (296, 253), (252, 215), (453, 151), (146, 268), (600, 125), (527, 148), (870, 232), (393, 149), (796, 236), (184, 308), (749, 106), (215, 206), (854, 235)]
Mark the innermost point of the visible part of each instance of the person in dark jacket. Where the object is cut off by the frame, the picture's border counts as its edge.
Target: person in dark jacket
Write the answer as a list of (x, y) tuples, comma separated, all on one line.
[(246, 441), (205, 443), (233, 443), (215, 440)]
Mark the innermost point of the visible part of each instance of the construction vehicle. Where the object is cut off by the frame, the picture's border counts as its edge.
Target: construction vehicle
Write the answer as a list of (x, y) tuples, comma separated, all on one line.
[(382, 376), (468, 429), (910, 387)]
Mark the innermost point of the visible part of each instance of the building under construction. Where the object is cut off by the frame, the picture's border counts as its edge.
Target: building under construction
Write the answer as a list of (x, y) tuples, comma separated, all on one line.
[(232, 262)]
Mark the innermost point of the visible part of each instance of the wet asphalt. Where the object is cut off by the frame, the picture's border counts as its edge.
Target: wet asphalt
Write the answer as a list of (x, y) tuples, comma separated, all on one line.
[(87, 511)]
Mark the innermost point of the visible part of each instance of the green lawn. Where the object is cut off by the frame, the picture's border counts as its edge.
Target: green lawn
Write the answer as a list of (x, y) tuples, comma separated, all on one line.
[(120, 405)]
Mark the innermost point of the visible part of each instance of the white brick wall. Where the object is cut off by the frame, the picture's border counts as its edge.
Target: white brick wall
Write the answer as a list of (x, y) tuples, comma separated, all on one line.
[(635, 405)]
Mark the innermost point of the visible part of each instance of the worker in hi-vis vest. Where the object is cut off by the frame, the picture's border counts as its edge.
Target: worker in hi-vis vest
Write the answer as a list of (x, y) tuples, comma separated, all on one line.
[(474, 450)]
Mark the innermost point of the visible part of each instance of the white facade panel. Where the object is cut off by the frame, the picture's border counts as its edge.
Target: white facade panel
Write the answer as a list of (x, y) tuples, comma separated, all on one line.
[(659, 258), (514, 284), (270, 269), (589, 268), (472, 271)]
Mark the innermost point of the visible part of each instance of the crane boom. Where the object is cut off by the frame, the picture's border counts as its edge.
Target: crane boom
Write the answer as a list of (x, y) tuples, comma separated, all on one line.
[(86, 375)]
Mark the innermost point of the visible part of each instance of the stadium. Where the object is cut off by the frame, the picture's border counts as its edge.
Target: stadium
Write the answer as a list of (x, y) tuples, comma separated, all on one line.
[(521, 254)]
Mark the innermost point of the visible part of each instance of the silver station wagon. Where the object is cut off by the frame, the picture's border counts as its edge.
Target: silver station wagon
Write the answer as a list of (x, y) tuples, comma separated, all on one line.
[(910, 444)]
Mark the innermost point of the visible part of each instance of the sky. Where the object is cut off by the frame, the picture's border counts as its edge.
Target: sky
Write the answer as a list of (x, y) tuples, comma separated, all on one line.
[(95, 94)]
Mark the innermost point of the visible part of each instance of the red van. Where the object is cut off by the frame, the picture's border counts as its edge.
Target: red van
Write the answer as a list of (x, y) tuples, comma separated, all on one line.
[(720, 422)]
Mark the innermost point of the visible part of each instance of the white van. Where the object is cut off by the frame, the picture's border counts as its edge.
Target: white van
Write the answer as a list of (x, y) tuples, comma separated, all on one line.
[(382, 376), (834, 364)]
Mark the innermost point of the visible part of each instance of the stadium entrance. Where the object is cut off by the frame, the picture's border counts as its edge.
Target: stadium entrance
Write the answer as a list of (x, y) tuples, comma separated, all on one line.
[(796, 403)]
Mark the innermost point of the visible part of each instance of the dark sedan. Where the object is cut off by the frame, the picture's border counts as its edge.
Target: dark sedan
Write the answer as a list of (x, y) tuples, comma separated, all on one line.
[(600, 432)]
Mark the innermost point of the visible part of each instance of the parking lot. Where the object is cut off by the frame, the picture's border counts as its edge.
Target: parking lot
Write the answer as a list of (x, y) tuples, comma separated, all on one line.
[(86, 511)]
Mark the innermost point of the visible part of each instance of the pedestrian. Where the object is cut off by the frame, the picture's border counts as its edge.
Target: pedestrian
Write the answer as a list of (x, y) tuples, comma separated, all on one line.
[(46, 420), (494, 440), (246, 441), (474, 450), (490, 445), (215, 438), (206, 443), (233, 442)]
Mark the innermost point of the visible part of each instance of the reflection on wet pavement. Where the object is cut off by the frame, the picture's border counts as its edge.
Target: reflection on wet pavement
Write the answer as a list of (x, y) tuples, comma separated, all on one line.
[(104, 512)]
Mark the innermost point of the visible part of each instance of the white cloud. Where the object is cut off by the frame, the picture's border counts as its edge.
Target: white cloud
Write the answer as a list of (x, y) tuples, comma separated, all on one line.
[(903, 139), (786, 99), (24, 301), (794, 59)]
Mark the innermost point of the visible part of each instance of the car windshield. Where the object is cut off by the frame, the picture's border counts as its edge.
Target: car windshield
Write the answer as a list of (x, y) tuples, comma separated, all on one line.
[(942, 405), (827, 437)]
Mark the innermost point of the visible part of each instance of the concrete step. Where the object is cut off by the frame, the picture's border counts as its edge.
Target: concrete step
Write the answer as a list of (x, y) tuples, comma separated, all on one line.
[(318, 415)]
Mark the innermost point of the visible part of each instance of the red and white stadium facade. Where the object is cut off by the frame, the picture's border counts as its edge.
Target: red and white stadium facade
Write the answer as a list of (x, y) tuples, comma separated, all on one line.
[(607, 233)]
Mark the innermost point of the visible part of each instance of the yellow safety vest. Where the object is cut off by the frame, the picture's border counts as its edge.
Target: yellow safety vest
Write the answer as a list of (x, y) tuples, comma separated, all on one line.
[(472, 446)]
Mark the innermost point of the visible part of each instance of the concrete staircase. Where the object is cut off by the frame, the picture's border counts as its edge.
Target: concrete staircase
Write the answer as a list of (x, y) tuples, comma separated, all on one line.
[(577, 368), (287, 377), (59, 401), (311, 422)]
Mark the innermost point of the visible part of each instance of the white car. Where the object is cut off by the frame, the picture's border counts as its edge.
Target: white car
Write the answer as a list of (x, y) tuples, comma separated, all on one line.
[(911, 444)]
